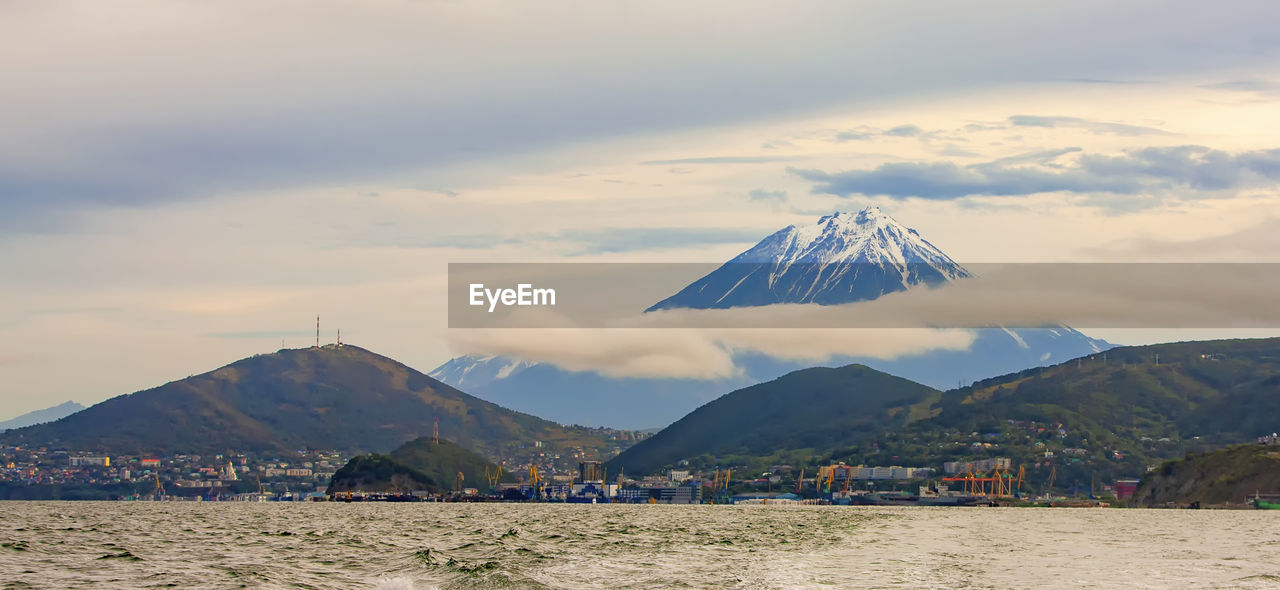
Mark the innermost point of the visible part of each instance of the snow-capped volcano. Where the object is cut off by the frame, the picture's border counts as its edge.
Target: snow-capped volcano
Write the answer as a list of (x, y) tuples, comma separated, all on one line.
[(842, 258)]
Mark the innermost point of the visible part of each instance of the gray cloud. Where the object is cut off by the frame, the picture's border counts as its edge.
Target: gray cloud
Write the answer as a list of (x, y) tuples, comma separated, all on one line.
[(580, 242), (330, 94), (904, 131), (724, 160), (1107, 82), (1256, 86), (952, 150), (261, 334), (459, 241), (1098, 127), (616, 240), (1139, 171), (852, 136), (866, 132), (764, 195), (977, 127)]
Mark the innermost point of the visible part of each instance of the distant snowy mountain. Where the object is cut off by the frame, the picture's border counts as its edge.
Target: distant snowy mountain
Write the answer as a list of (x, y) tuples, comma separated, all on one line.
[(590, 399), (585, 398), (41, 416), (841, 259)]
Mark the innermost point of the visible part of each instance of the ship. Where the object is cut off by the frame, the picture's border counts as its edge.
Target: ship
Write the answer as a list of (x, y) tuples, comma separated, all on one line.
[(906, 499), (1267, 502)]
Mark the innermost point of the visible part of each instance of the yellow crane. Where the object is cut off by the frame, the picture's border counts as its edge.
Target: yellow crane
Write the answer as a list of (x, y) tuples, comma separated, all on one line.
[(493, 476), (535, 481), (826, 476), (719, 483), (1053, 474), (457, 484)]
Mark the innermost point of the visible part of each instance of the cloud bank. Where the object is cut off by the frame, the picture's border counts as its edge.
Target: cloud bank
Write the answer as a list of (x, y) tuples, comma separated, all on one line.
[(1138, 171), (696, 354)]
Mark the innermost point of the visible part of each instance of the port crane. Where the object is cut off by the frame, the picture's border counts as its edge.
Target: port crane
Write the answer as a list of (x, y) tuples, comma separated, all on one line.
[(826, 476), (1000, 483), (720, 486), (493, 476), (535, 482), (457, 484)]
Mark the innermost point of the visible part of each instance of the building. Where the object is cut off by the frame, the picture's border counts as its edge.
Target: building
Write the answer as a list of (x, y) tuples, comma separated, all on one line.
[(90, 461), (1125, 488), (842, 473), (978, 465), (590, 472), (597, 490), (660, 495)]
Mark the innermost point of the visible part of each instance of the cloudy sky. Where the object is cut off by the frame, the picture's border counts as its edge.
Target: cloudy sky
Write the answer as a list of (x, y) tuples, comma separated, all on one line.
[(183, 183)]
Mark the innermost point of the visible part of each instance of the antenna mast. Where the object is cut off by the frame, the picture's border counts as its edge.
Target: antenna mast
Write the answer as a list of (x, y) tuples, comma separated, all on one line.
[(317, 331), (435, 432)]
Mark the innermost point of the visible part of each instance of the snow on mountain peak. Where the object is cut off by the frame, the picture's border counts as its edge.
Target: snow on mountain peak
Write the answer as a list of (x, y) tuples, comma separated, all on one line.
[(868, 236), (843, 257), (870, 215)]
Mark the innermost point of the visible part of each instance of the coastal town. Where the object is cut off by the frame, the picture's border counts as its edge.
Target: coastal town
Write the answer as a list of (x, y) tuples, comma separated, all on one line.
[(306, 475)]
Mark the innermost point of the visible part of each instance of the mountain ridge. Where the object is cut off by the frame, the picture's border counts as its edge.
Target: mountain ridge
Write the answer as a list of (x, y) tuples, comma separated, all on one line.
[(49, 414), (798, 408), (1111, 414), (332, 397)]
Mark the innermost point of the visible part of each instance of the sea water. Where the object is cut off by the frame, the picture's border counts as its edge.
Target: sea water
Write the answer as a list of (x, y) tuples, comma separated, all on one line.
[(429, 545)]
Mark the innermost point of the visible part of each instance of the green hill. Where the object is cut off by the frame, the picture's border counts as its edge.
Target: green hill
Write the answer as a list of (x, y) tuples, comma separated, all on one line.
[(810, 409), (419, 464), (1090, 420), (1098, 418), (442, 462), (380, 473), (344, 398), (1234, 474)]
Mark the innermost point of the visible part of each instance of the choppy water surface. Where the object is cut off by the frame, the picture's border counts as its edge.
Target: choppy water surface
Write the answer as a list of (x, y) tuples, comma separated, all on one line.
[(420, 546)]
